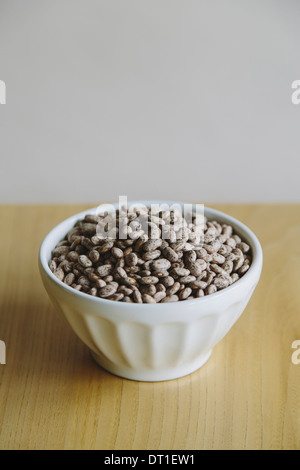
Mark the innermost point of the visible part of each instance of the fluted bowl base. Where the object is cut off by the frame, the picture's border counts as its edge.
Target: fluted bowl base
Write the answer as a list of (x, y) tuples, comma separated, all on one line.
[(152, 375)]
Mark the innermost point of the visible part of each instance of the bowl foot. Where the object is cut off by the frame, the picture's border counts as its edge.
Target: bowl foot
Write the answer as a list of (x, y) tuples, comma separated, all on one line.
[(149, 375)]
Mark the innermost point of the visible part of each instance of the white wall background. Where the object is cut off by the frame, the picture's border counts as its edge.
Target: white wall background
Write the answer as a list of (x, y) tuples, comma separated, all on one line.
[(176, 99)]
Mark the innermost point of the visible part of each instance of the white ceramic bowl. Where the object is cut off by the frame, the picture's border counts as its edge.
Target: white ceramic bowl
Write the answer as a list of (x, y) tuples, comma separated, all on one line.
[(151, 342)]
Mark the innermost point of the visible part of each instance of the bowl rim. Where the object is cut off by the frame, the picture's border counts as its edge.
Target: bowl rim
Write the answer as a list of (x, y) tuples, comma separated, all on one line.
[(251, 238)]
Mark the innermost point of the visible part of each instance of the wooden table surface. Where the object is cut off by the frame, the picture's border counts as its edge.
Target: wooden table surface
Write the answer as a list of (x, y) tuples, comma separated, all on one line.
[(53, 396)]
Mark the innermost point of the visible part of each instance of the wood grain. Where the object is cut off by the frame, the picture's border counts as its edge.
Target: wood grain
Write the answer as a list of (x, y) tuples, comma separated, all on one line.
[(53, 396)]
